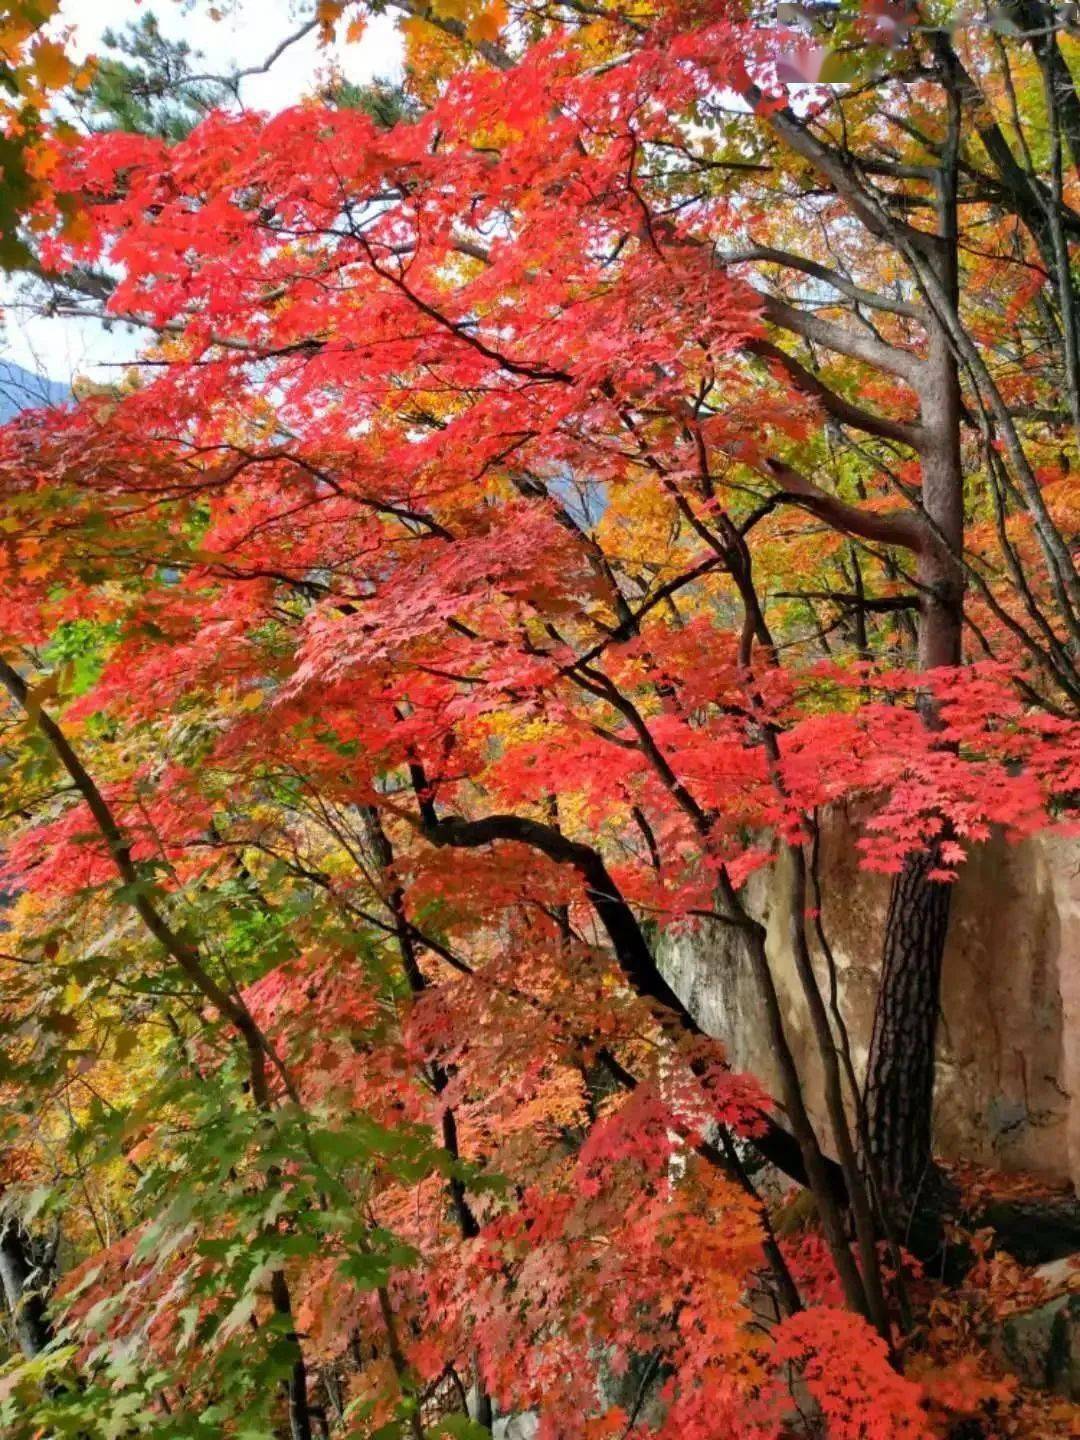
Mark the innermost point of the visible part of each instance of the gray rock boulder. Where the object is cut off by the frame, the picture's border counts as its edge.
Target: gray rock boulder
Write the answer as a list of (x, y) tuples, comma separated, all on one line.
[(1041, 1346)]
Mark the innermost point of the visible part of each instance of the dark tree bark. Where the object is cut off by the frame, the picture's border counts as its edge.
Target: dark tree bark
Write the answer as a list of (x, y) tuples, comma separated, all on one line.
[(21, 1280), (900, 1070), (899, 1092)]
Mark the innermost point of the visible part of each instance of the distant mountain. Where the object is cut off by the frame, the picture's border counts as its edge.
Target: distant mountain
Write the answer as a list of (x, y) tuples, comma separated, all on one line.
[(23, 390)]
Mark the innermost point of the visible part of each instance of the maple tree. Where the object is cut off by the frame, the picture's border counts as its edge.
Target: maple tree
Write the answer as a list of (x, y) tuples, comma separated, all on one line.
[(35, 66), (543, 498)]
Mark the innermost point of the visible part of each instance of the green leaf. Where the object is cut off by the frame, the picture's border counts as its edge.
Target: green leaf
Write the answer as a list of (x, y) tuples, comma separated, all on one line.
[(460, 1427), (842, 68)]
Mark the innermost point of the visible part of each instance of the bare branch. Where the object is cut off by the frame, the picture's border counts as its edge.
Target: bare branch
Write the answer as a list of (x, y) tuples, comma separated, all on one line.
[(895, 528), (901, 431), (767, 254), (902, 363)]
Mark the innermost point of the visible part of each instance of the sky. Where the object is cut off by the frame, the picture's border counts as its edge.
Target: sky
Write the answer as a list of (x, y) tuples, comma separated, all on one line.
[(62, 348)]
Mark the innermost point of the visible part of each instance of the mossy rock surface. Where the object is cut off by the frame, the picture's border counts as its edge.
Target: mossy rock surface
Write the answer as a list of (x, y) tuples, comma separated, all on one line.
[(1042, 1346)]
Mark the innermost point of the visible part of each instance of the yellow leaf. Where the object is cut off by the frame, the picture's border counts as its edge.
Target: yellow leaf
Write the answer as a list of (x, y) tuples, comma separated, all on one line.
[(328, 13), (124, 1043), (47, 689), (51, 64), (85, 76), (77, 229), (452, 9), (489, 23), (42, 160)]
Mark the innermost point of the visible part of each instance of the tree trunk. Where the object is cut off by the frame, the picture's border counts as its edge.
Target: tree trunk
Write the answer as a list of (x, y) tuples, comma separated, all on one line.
[(899, 1092), (900, 1070), (22, 1290)]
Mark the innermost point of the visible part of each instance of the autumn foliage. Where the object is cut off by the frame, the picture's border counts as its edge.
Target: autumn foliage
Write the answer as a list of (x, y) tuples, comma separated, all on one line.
[(491, 568)]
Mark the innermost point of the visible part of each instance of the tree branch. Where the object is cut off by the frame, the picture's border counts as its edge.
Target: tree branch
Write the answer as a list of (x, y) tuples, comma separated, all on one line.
[(895, 528), (900, 431), (632, 953), (769, 255), (902, 363)]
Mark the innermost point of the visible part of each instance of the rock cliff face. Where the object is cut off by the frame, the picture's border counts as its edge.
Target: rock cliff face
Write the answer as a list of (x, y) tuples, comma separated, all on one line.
[(1008, 1082)]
